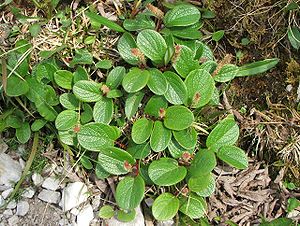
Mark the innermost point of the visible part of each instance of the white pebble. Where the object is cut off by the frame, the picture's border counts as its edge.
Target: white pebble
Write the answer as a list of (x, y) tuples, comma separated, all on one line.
[(51, 183), (13, 221), (49, 196), (28, 193), (8, 212), (289, 88), (11, 205), (5, 194), (37, 179), (22, 208), (85, 216)]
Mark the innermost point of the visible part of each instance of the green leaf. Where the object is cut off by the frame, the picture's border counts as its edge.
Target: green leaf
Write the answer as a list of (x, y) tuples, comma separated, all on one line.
[(95, 136), (294, 37), (226, 73), (82, 56), (16, 86), (209, 190), (141, 22), (103, 110), (176, 92), (126, 216), (114, 93), (165, 207), (87, 91), (66, 120), (44, 71), (69, 101), (200, 86), (23, 133), (13, 121), (115, 77), (257, 67), (200, 183), (130, 192), (190, 32), (166, 172), (193, 206), (176, 150), (157, 82), (87, 113), (152, 45), (132, 103), (125, 44), (38, 124), (139, 151), (100, 172), (135, 80), (160, 137), (183, 61), (218, 35), (86, 163), (80, 74), (64, 79), (35, 29), (178, 112), (104, 64), (106, 212), (187, 138), (113, 160), (233, 156), (293, 203), (204, 53), (209, 66), (154, 105), (207, 14), (170, 48), (281, 221), (203, 163), (68, 137), (182, 15), (141, 130), (100, 20), (225, 133)]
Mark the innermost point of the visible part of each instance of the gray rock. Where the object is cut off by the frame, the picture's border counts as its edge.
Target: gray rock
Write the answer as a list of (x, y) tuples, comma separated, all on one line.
[(22, 163), (5, 194), (85, 216), (73, 195), (13, 221), (8, 213), (138, 221), (51, 183), (12, 204), (96, 202), (49, 196), (10, 171), (166, 223), (3, 146), (2, 201), (22, 208), (74, 211), (37, 179), (28, 193)]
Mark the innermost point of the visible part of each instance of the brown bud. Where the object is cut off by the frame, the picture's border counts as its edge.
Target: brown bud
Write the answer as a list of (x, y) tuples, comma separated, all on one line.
[(162, 112), (196, 99), (127, 166), (105, 89), (156, 11), (176, 53), (76, 128), (186, 156)]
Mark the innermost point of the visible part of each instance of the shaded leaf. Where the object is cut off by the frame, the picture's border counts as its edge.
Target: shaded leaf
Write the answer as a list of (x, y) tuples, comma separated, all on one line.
[(160, 137)]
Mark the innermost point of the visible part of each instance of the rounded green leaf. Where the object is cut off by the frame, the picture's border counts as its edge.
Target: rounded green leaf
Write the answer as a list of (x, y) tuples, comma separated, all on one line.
[(200, 86), (203, 163), (225, 133), (126, 216), (38, 124), (135, 80), (183, 61), (176, 150), (139, 151), (141, 22), (209, 66), (86, 162), (157, 82), (106, 212), (209, 190), (160, 137), (87, 91), (233, 156), (103, 110), (115, 77), (69, 101), (187, 138), (294, 36), (87, 113), (132, 103), (155, 104), (94, 136), (23, 133), (152, 45), (104, 64), (100, 172), (165, 207), (141, 130), (226, 73), (176, 92), (66, 120), (218, 35), (130, 192), (125, 44), (166, 172), (80, 74), (174, 113), (182, 15), (13, 121), (16, 86), (200, 183), (113, 160), (204, 52), (68, 137), (64, 79), (193, 206)]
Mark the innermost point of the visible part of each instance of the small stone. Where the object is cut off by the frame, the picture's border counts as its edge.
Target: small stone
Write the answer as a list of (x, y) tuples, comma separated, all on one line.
[(22, 208), (49, 196), (138, 220), (165, 223), (96, 202), (28, 193), (8, 212), (2, 201), (3, 146), (74, 211), (37, 179), (289, 88), (10, 170), (149, 202), (63, 222), (73, 195), (14, 220), (85, 216), (12, 204), (22, 163), (5, 194), (51, 183)]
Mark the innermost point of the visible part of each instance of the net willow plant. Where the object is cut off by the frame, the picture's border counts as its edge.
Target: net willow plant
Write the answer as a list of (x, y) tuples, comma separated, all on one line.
[(171, 73)]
